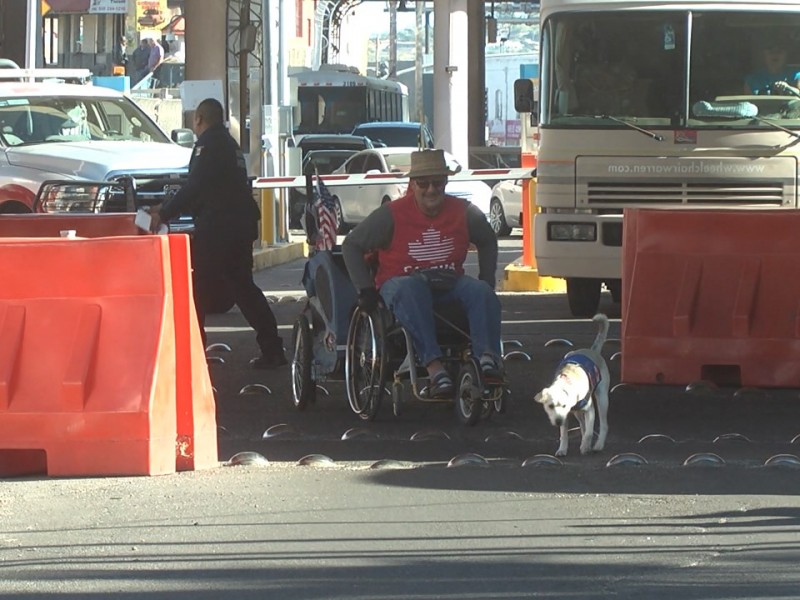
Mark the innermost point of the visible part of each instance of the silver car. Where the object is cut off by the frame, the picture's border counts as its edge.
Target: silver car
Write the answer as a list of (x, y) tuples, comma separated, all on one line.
[(355, 202)]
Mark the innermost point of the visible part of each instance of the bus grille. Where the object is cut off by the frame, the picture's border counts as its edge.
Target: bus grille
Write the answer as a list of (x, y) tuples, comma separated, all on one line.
[(730, 193)]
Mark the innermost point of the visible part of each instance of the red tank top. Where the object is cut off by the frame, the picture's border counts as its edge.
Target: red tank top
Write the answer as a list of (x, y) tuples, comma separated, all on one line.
[(422, 242)]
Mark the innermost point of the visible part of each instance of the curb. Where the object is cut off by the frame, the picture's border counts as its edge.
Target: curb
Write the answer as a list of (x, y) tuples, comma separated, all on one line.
[(276, 255), (520, 278)]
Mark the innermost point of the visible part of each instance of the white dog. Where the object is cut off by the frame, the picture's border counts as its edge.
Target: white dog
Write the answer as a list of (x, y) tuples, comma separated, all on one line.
[(580, 378)]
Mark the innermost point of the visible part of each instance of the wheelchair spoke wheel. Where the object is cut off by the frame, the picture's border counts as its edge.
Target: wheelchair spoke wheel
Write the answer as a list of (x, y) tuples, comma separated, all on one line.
[(304, 388), (469, 400), (365, 364), (501, 403)]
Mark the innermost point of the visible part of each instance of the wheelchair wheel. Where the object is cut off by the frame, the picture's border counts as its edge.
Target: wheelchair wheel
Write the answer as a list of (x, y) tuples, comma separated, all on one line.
[(304, 389), (501, 403), (469, 400), (365, 364)]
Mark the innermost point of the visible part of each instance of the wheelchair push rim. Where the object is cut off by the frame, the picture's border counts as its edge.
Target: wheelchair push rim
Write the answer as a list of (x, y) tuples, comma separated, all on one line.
[(303, 386), (365, 364), (470, 405)]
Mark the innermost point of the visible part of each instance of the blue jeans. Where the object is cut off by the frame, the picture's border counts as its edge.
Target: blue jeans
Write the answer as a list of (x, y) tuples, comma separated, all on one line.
[(411, 301)]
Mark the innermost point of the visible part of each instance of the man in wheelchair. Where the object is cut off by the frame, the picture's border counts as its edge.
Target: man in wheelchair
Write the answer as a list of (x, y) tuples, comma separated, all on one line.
[(421, 240)]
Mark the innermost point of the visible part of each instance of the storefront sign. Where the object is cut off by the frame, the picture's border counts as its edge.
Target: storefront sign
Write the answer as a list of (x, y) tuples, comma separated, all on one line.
[(151, 14), (108, 7)]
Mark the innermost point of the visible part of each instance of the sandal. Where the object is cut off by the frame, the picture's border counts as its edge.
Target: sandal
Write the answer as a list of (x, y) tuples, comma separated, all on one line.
[(441, 386), (491, 368)]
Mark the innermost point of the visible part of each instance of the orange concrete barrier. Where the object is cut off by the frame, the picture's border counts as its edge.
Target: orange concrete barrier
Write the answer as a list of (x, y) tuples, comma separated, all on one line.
[(711, 295), (84, 225), (102, 371), (196, 412)]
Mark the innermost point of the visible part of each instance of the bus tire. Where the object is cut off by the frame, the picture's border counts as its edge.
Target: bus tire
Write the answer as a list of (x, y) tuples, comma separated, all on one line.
[(584, 296)]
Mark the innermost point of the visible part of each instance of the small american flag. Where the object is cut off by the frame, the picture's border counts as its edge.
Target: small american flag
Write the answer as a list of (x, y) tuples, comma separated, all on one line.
[(326, 217)]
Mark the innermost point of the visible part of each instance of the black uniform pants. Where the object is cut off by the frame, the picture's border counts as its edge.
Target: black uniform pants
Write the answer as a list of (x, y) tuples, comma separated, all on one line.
[(228, 262)]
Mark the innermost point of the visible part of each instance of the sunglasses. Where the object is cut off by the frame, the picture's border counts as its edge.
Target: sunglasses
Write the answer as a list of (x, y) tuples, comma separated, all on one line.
[(424, 184)]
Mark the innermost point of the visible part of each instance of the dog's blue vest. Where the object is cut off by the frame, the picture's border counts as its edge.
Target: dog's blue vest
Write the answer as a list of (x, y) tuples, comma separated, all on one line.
[(592, 372)]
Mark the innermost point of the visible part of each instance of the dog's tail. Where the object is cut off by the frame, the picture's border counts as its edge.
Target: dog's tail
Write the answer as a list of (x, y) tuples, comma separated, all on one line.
[(602, 331)]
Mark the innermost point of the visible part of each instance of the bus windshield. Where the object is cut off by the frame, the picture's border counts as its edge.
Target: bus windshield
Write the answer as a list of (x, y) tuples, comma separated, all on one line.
[(331, 109), (671, 69), (336, 98)]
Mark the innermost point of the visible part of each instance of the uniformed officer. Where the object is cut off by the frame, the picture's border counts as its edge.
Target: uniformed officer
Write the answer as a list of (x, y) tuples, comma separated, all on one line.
[(219, 197)]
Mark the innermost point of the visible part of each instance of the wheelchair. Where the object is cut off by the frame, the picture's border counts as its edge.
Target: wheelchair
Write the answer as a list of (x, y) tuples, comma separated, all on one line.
[(319, 333), (333, 339), (380, 361)]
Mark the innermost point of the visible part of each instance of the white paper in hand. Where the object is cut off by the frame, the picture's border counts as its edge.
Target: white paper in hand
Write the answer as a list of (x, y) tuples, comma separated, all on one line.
[(143, 221)]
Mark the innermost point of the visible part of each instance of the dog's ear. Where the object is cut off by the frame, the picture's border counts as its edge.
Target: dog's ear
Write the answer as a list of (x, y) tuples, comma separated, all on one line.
[(539, 398)]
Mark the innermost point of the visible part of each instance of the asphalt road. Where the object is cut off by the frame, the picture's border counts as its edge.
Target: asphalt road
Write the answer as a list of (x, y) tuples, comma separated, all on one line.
[(376, 514)]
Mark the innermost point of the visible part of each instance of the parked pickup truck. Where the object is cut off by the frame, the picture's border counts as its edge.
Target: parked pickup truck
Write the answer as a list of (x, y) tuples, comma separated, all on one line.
[(55, 131)]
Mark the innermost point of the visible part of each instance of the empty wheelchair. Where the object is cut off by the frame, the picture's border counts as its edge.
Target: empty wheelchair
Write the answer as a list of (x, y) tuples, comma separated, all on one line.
[(380, 363), (320, 331)]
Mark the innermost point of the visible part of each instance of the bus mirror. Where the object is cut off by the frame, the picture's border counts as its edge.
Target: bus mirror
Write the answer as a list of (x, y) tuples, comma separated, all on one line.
[(524, 100)]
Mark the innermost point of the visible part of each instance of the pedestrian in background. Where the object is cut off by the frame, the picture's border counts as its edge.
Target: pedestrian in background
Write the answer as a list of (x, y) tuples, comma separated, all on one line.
[(139, 59), (219, 197), (156, 56), (121, 57)]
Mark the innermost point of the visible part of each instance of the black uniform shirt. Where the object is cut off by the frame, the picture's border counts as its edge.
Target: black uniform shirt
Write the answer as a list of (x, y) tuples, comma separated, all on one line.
[(217, 193)]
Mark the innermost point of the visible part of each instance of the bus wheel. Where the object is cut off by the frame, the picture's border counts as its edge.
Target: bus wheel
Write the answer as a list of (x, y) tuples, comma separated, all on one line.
[(583, 296)]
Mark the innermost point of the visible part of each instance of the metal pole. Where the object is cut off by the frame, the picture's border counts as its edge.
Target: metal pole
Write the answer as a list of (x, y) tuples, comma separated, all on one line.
[(244, 22), (419, 108), (392, 39), (33, 31)]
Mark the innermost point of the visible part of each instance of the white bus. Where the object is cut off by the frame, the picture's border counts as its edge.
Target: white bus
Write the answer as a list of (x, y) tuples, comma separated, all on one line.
[(336, 98), (647, 103)]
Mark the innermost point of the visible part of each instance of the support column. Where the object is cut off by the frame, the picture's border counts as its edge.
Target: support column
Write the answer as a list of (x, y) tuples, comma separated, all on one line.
[(206, 45), (450, 77), (476, 127)]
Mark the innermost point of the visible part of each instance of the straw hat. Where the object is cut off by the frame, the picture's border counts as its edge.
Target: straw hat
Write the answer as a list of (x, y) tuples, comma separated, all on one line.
[(429, 163)]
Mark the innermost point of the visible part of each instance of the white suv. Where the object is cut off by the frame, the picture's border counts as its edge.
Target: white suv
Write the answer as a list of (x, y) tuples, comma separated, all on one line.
[(51, 130)]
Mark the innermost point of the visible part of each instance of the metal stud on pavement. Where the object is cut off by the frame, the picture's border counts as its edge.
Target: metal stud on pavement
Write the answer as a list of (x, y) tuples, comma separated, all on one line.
[(469, 459), (247, 459), (783, 460), (359, 432), (626, 459), (704, 459), (218, 347), (282, 429), (316, 460), (542, 460), (428, 435), (731, 437), (254, 388)]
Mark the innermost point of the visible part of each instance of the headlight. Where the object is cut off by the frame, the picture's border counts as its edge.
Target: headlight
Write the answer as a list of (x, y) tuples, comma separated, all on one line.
[(572, 232)]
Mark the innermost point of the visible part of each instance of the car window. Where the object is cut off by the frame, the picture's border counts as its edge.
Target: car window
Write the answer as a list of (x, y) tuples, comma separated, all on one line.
[(393, 136), (373, 163), (35, 120), (356, 165), (398, 162)]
